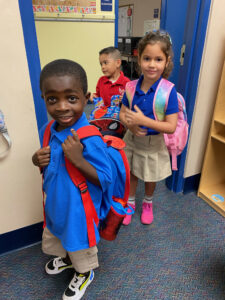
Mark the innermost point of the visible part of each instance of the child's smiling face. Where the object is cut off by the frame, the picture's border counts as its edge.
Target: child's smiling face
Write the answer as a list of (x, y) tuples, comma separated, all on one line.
[(64, 98), (153, 62)]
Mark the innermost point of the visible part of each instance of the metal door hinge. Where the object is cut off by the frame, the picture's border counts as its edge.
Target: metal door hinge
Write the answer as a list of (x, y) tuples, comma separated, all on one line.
[(182, 52)]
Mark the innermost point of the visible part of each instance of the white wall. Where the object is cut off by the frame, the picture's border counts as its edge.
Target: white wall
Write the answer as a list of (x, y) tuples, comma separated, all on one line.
[(212, 63), (21, 197)]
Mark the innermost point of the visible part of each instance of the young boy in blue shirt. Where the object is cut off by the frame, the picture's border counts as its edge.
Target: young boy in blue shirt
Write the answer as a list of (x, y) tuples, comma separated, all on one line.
[(63, 84)]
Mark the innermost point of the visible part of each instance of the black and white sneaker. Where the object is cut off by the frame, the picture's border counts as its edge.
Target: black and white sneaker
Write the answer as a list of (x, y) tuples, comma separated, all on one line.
[(78, 285), (56, 266)]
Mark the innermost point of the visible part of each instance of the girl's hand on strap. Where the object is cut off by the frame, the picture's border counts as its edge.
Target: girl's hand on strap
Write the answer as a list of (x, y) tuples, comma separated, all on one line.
[(134, 117), (138, 131), (72, 148), (138, 118)]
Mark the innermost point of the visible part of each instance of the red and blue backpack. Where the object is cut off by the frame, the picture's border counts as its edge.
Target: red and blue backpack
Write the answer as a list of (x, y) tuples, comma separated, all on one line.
[(114, 208), (176, 141)]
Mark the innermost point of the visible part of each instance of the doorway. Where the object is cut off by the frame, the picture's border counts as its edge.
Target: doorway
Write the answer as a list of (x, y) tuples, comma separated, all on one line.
[(186, 21)]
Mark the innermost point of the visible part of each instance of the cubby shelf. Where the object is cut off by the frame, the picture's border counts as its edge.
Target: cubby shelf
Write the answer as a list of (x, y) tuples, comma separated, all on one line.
[(221, 122), (218, 137), (207, 193), (212, 182)]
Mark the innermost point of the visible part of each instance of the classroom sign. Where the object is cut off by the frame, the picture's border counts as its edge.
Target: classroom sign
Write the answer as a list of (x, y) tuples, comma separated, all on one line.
[(106, 5)]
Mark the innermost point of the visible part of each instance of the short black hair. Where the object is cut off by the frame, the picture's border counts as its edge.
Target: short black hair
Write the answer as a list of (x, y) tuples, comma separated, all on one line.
[(113, 51), (61, 67)]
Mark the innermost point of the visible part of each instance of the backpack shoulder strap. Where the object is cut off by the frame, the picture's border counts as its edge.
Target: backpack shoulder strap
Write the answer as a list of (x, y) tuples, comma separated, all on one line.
[(182, 105), (91, 215), (47, 134), (83, 132), (46, 138), (161, 98), (130, 90), (87, 131), (80, 181)]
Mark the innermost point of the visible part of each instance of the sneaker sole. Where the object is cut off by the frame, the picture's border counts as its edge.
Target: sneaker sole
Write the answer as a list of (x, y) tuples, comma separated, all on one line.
[(78, 297), (55, 272), (146, 223)]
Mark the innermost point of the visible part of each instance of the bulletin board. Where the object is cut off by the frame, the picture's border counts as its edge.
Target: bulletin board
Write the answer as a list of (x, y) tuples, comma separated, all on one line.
[(64, 6)]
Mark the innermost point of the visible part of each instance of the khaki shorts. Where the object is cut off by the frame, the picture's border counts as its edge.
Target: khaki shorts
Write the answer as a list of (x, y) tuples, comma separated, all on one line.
[(148, 157), (82, 260)]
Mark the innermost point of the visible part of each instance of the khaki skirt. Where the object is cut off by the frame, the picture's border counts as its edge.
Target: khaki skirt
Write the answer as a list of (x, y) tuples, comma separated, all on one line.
[(148, 157)]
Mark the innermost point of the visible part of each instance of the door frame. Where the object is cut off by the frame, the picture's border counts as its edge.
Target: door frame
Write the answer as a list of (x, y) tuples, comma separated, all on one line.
[(116, 22), (194, 39), (33, 59)]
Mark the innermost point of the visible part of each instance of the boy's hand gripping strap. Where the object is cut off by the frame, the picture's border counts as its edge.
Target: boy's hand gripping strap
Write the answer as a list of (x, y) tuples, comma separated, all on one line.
[(79, 180)]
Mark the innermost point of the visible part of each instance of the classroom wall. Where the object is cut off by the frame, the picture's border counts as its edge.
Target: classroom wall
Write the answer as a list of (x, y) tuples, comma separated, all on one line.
[(77, 40), (21, 197), (211, 68), (142, 10)]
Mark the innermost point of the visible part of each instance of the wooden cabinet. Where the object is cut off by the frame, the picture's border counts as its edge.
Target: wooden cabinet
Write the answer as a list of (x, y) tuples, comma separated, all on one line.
[(212, 182)]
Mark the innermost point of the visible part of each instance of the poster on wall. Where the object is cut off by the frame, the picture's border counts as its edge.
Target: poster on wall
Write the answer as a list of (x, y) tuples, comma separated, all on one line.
[(106, 5), (64, 6), (150, 25), (125, 21)]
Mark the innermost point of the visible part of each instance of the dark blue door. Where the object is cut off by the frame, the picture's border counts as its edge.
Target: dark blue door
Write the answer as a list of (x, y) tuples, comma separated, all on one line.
[(173, 16)]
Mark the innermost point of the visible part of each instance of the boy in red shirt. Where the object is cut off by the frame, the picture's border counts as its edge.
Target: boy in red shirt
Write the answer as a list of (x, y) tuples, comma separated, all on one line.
[(113, 82)]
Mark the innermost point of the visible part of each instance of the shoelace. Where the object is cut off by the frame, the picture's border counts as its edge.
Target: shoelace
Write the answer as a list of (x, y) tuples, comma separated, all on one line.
[(58, 262), (76, 279)]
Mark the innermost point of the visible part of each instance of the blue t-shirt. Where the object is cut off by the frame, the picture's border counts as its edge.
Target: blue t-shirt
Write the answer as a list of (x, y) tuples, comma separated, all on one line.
[(145, 102), (65, 216)]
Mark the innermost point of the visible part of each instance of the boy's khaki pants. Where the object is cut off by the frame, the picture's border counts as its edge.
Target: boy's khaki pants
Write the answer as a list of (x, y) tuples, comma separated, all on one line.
[(82, 260)]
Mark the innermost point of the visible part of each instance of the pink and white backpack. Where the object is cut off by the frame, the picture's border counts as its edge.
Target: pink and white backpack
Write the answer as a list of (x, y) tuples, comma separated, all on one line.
[(176, 141)]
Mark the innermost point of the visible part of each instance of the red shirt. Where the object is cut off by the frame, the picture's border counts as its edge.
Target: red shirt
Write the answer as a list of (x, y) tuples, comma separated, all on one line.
[(106, 89)]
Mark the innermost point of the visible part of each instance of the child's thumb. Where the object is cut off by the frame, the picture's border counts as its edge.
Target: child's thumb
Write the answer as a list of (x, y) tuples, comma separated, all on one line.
[(136, 108)]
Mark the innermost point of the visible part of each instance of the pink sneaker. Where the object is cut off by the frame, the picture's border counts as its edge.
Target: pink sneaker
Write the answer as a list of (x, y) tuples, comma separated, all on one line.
[(127, 219), (147, 213)]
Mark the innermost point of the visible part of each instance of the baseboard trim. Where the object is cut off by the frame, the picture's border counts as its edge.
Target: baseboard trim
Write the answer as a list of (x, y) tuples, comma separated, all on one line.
[(20, 238)]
